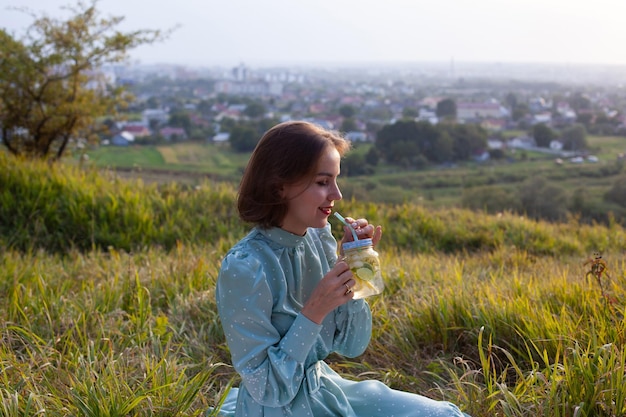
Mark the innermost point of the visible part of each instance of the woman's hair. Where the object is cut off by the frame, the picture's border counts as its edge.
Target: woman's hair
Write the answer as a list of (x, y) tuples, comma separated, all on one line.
[(288, 153)]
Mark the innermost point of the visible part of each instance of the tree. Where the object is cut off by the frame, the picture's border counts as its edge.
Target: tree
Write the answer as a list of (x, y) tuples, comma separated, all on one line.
[(355, 164), (52, 84), (347, 111), (575, 138), (519, 111), (579, 101), (446, 109), (243, 138), (542, 200), (180, 118), (543, 135), (372, 156), (617, 193), (348, 125), (399, 143), (410, 113), (254, 110), (511, 101), (467, 140)]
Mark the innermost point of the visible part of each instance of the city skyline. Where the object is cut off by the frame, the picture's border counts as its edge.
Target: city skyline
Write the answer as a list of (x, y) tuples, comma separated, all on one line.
[(359, 32)]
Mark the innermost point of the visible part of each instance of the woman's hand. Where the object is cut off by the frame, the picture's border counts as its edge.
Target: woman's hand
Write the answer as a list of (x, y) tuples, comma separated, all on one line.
[(363, 230), (332, 291)]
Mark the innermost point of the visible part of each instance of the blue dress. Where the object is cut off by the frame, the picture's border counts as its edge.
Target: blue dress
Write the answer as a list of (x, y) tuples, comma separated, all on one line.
[(262, 286)]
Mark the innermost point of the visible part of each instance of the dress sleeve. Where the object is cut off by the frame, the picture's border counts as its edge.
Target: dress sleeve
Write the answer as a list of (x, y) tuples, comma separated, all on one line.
[(353, 322), (329, 244), (271, 366)]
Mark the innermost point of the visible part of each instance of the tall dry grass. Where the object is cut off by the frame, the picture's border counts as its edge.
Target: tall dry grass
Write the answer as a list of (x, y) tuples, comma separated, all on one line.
[(107, 303)]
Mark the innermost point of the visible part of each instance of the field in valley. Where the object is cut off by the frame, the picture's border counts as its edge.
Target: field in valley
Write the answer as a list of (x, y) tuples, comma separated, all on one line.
[(435, 187)]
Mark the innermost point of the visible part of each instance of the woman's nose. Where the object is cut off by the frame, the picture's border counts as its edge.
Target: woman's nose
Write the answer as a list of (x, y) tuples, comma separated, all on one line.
[(335, 194)]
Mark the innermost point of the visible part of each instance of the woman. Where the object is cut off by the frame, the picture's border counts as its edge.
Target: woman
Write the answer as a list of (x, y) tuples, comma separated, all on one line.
[(285, 301)]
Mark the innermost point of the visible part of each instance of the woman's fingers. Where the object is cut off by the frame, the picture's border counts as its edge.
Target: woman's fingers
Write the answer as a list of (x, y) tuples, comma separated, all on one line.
[(363, 230), (378, 233)]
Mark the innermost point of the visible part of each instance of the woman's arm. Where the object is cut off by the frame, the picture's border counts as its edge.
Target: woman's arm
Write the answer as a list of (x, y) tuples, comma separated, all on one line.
[(354, 328), (271, 366), (353, 320)]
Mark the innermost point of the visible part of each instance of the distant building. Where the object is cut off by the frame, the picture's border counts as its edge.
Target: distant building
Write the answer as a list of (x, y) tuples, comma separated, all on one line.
[(545, 118), (556, 145), (173, 133), (495, 144), (493, 125), (467, 111), (522, 142), (221, 137), (122, 139), (160, 115), (428, 115), (354, 136), (256, 88), (137, 130)]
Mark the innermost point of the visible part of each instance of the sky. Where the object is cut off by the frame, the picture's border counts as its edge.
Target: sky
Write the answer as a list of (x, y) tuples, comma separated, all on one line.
[(269, 32)]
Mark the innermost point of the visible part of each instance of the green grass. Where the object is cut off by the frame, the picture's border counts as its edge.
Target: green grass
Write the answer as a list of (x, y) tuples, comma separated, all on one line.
[(495, 313), (434, 187), (217, 161), (132, 156)]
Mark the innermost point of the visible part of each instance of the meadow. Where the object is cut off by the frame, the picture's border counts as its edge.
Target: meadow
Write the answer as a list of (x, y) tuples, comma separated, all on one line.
[(107, 301), (435, 187)]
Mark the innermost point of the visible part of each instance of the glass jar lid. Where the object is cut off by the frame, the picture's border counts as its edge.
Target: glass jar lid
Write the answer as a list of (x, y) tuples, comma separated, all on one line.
[(361, 243)]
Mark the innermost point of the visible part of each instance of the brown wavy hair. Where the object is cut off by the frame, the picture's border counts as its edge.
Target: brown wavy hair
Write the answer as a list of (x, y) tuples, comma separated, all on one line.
[(287, 154)]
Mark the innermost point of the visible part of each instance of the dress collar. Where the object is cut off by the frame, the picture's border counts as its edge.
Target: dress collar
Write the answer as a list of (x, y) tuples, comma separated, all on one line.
[(282, 237)]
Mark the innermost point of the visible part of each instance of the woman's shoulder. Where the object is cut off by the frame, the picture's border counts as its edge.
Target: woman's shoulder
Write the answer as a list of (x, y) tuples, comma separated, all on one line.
[(245, 247), (250, 252)]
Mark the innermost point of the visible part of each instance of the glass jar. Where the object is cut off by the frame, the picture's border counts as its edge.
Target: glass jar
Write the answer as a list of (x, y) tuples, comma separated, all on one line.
[(365, 266)]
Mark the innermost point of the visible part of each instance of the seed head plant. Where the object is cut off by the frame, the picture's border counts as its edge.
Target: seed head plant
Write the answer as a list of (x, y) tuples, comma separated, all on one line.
[(598, 272)]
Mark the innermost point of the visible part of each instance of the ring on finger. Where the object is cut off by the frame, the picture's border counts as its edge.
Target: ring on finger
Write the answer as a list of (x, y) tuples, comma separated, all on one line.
[(348, 289)]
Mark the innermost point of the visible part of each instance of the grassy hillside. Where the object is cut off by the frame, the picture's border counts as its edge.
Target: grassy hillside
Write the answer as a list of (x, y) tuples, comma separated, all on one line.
[(107, 302)]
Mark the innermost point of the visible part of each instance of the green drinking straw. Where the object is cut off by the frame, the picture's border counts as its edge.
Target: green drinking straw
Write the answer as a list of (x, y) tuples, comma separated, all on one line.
[(342, 220)]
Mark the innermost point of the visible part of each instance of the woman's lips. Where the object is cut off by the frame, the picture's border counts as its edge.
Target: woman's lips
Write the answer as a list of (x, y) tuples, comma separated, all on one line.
[(326, 210)]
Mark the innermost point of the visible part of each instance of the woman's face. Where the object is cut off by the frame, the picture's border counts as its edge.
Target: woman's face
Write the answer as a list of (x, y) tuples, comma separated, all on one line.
[(311, 202)]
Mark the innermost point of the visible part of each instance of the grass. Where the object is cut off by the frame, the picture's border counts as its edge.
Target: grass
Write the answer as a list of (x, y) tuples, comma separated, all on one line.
[(436, 187), (132, 156), (495, 313), (214, 160)]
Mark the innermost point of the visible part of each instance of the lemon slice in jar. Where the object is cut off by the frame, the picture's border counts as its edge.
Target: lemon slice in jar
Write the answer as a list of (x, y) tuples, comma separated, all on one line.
[(365, 274)]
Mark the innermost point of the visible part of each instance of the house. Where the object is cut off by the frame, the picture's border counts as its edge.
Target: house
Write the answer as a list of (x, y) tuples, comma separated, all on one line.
[(354, 136), (427, 115), (475, 111), (495, 144), (545, 118), (430, 102), (493, 125), (481, 156), (137, 130), (325, 124), (221, 137), (248, 88), (159, 115), (173, 133), (122, 139), (565, 111), (522, 142), (556, 145)]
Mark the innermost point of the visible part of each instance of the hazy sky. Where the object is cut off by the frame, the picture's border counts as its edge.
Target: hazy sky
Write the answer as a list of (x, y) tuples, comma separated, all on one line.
[(228, 32)]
